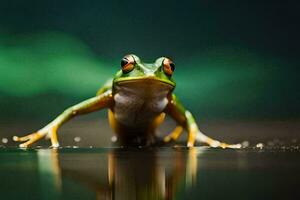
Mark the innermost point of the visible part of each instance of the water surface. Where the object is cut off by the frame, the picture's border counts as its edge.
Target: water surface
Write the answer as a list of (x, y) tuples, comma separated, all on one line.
[(149, 173)]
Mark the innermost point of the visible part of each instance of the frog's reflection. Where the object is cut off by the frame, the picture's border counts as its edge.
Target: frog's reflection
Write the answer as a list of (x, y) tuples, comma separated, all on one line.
[(128, 174)]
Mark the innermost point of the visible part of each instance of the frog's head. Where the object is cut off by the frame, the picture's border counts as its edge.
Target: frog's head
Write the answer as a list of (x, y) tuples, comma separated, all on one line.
[(133, 70)]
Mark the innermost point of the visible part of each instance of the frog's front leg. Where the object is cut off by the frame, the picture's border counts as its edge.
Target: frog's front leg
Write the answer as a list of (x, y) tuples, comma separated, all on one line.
[(87, 106), (185, 119)]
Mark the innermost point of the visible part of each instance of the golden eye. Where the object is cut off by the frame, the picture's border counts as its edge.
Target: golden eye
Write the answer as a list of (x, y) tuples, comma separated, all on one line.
[(168, 66), (127, 63)]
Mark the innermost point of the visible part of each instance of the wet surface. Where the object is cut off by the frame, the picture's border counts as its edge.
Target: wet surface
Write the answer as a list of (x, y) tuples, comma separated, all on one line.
[(150, 173), (87, 167)]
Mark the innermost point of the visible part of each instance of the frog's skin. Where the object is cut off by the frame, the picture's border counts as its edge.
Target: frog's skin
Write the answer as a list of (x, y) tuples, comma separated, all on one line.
[(137, 99)]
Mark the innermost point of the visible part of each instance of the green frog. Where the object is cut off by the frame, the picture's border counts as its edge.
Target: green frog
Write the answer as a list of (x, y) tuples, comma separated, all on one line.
[(138, 98)]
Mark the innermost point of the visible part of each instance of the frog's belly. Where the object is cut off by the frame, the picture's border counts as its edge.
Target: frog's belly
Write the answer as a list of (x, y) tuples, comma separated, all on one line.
[(136, 106)]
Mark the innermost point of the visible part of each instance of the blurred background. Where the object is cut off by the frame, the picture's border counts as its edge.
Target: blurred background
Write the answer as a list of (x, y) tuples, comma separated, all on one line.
[(237, 63)]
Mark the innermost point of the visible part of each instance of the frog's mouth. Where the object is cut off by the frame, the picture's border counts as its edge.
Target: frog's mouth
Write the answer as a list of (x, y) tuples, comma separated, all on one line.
[(145, 87), (151, 80)]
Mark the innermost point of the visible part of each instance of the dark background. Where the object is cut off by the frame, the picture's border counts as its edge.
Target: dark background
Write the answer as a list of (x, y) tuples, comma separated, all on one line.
[(237, 70), (235, 61)]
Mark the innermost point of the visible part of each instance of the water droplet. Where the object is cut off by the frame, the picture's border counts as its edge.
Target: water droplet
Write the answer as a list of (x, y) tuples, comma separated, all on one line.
[(114, 138), (260, 145), (4, 140), (245, 144), (77, 139)]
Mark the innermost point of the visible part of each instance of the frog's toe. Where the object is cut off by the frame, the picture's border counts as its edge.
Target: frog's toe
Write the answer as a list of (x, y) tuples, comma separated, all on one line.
[(174, 135), (167, 138), (224, 145), (22, 139), (55, 145), (215, 143), (232, 146), (30, 139)]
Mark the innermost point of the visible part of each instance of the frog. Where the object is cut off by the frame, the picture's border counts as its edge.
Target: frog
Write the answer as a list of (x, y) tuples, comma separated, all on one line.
[(138, 99)]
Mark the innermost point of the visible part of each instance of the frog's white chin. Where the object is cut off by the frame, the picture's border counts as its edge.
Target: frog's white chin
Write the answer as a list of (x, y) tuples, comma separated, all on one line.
[(152, 80)]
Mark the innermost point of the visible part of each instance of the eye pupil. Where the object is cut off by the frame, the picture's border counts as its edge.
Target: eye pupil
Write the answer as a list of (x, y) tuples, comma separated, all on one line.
[(172, 65), (124, 62)]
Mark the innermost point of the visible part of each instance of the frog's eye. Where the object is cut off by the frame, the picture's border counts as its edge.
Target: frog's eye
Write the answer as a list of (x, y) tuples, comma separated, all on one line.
[(168, 66), (127, 63)]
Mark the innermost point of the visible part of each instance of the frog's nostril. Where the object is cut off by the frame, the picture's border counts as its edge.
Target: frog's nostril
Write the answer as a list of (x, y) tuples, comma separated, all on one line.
[(150, 75)]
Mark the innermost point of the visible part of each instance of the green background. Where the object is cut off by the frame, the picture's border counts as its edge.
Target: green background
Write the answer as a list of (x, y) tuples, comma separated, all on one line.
[(234, 60)]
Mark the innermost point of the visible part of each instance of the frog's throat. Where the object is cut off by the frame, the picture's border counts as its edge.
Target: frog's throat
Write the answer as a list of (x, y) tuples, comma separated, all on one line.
[(137, 79)]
